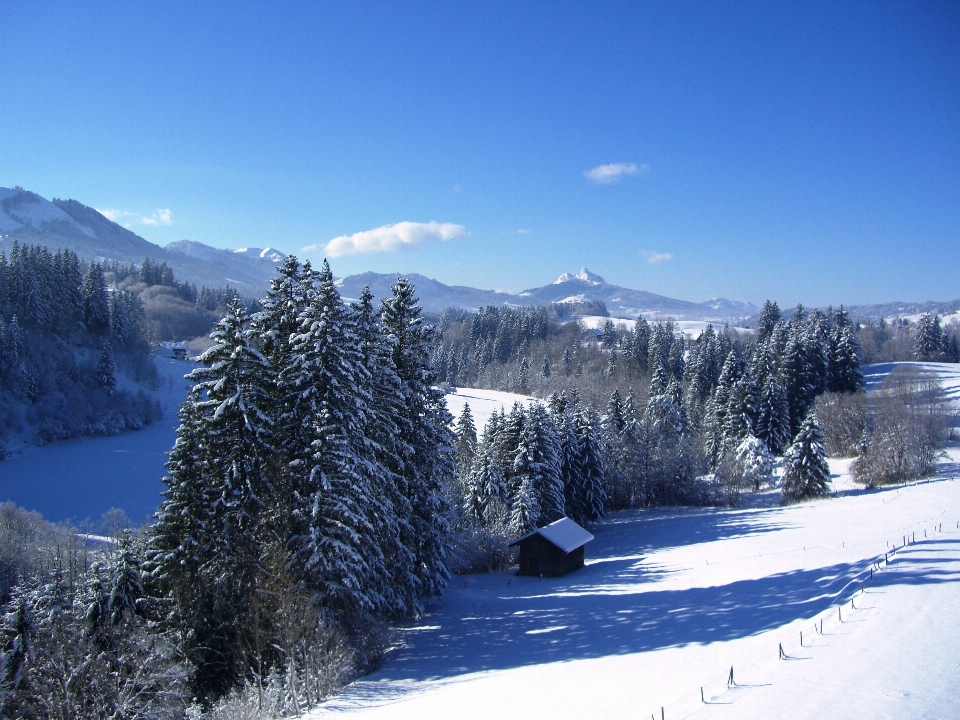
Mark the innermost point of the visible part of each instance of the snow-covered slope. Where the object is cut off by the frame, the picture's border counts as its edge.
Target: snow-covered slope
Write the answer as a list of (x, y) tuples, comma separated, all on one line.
[(483, 403), (28, 218), (671, 599)]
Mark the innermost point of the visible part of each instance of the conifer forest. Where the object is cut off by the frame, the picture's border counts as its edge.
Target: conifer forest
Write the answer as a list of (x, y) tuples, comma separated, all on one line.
[(319, 489)]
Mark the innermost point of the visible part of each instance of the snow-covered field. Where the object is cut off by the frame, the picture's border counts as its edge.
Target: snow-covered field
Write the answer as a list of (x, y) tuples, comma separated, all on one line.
[(483, 403), (670, 599), (82, 479), (690, 328)]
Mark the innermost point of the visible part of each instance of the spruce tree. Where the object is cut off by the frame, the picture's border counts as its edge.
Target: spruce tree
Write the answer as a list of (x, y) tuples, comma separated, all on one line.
[(431, 441), (96, 304), (769, 317), (466, 440), (335, 540), (806, 472), (107, 370), (538, 458)]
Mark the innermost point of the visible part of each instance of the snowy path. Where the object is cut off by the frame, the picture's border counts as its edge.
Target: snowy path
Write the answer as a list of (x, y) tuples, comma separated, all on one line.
[(81, 479), (670, 599)]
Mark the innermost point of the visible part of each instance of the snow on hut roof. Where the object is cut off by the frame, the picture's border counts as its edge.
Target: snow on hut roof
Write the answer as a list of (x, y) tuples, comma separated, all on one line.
[(564, 533)]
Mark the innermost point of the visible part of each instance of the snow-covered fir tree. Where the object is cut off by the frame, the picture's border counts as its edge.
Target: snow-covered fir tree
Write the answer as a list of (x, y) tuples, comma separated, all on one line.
[(806, 472)]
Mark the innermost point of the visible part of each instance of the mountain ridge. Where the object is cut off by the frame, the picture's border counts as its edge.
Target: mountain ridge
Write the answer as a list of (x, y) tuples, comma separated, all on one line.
[(29, 218)]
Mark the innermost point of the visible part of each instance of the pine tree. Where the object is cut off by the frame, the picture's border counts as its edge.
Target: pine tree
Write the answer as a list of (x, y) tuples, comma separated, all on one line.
[(806, 472), (928, 338), (96, 305), (429, 436), (466, 440), (387, 425), (773, 416), (525, 510), (335, 540), (589, 496), (769, 317), (485, 484), (538, 459), (107, 370)]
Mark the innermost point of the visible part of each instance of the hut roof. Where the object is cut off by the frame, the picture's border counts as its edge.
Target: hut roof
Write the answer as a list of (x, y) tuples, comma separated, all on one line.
[(564, 533)]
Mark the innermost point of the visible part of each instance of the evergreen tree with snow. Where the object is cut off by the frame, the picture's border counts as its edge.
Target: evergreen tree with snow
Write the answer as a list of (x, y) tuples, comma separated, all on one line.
[(769, 317), (334, 538), (465, 433), (387, 425), (484, 485), (928, 338), (96, 304), (538, 459), (806, 472), (525, 509), (773, 416), (586, 468), (432, 463), (107, 370)]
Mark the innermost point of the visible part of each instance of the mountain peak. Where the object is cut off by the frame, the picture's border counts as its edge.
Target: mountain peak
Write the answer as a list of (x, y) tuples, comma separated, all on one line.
[(583, 275)]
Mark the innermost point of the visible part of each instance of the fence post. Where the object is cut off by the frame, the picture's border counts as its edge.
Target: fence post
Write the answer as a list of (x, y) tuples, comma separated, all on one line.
[(702, 699), (730, 681), (782, 655)]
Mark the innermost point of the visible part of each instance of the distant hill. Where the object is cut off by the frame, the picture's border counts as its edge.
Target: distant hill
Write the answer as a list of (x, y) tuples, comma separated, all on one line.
[(577, 287), (28, 218)]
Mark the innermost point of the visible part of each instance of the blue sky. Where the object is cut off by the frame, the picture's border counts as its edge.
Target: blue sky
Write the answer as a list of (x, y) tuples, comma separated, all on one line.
[(808, 152)]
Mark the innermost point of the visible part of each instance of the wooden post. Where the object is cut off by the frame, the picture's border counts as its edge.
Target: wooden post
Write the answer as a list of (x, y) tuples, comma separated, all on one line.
[(840, 613), (730, 682), (702, 699), (801, 638), (782, 655)]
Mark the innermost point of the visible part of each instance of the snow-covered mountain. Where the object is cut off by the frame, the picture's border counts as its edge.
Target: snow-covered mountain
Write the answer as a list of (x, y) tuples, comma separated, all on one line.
[(569, 287), (29, 218)]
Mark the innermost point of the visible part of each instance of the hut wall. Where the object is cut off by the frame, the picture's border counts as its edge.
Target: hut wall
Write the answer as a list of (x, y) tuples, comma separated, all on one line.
[(538, 556)]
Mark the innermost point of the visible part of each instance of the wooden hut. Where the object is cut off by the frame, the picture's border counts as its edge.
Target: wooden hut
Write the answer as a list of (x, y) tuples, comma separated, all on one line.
[(553, 550)]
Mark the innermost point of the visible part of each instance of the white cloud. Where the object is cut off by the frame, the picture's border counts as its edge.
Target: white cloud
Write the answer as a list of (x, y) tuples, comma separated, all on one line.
[(161, 216), (523, 231), (611, 173), (401, 237), (655, 258)]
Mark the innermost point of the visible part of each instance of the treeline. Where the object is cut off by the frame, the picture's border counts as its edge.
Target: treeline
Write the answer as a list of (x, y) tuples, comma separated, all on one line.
[(925, 340), (305, 507), (61, 336), (172, 310)]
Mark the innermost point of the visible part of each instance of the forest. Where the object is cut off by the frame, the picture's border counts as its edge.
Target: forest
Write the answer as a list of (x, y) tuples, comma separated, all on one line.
[(76, 339), (319, 490)]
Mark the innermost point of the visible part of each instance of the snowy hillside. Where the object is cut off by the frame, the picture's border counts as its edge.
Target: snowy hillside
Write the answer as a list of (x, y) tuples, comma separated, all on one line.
[(483, 403), (690, 328), (670, 599), (29, 218)]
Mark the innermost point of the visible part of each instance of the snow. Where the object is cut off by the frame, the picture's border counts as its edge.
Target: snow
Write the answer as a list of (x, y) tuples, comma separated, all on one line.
[(947, 373), (583, 275), (81, 479), (690, 328), (564, 533), (483, 403), (671, 598), (26, 209)]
